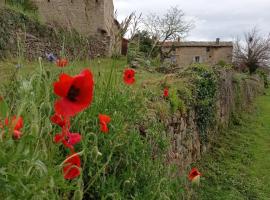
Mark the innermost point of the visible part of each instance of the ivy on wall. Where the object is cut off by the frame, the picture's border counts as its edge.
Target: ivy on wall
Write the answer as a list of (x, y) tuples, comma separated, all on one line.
[(205, 92)]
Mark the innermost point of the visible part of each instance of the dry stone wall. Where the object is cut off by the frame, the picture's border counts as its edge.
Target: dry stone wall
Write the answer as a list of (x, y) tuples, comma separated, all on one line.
[(235, 93)]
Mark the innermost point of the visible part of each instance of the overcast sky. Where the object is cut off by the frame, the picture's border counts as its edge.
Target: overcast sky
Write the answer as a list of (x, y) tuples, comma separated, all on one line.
[(226, 19)]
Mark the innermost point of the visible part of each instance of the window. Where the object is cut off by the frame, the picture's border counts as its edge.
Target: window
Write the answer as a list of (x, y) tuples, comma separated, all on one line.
[(197, 59), (207, 49)]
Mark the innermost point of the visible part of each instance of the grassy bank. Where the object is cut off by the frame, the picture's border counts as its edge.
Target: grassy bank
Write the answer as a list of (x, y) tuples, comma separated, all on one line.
[(120, 165), (238, 165)]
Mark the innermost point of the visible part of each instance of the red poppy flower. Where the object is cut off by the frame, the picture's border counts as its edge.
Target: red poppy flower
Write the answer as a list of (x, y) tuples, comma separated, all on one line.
[(72, 166), (129, 76), (58, 120), (68, 139), (103, 121), (166, 92), (62, 62), (76, 93), (16, 124), (194, 174)]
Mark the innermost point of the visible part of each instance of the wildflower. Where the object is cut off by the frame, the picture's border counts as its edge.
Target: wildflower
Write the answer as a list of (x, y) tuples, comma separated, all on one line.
[(103, 121), (58, 120), (194, 175), (76, 93), (62, 62), (68, 139), (51, 57), (166, 92), (71, 168), (16, 125), (129, 76)]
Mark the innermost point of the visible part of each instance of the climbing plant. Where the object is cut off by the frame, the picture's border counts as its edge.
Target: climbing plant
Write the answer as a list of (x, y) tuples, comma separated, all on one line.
[(205, 92)]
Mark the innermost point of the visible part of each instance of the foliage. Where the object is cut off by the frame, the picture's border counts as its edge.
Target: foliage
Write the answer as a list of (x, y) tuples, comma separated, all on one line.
[(237, 167), (264, 77), (114, 165), (176, 102), (146, 43), (26, 5), (205, 93)]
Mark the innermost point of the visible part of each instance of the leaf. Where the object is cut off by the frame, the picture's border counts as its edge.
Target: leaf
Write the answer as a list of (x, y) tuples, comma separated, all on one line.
[(3, 108)]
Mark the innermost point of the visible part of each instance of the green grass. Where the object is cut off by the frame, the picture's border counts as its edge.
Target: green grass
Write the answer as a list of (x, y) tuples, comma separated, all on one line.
[(238, 167), (123, 164)]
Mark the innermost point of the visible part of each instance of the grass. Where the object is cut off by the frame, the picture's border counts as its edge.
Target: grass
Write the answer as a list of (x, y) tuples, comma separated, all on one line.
[(114, 166), (239, 163), (126, 163)]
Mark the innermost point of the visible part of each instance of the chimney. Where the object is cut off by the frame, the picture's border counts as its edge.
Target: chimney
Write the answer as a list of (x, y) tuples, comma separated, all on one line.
[(217, 41)]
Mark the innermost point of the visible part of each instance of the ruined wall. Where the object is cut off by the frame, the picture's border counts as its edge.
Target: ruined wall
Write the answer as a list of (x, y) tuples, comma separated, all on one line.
[(208, 55)]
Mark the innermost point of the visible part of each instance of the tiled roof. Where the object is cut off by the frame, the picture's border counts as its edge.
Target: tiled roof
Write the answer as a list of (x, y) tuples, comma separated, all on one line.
[(198, 44)]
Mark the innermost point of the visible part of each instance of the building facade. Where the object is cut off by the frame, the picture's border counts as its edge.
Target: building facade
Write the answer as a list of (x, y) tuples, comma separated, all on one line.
[(91, 18), (187, 53)]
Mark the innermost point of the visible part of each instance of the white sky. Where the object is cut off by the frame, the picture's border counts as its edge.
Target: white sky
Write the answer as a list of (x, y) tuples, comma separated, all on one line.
[(226, 19)]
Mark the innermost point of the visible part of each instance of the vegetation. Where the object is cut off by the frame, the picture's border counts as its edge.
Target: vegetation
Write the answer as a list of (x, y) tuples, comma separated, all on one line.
[(205, 93), (254, 53), (238, 165), (25, 5), (114, 165)]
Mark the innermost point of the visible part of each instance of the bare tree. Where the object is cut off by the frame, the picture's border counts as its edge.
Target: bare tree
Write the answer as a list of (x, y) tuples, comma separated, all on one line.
[(168, 27), (253, 52)]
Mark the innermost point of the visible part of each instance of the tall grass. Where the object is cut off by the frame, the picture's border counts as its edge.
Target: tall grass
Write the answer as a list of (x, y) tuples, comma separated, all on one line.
[(123, 164)]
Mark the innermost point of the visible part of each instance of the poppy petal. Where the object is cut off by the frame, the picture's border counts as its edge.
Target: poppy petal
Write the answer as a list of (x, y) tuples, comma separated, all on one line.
[(71, 167), (74, 138), (62, 87), (58, 138)]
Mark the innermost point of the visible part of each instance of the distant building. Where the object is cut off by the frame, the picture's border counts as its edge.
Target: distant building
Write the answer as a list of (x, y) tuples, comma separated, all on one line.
[(186, 53), (91, 18)]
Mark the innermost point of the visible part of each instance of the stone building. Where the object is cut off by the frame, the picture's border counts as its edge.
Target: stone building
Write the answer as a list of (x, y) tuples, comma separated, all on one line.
[(91, 18), (186, 53)]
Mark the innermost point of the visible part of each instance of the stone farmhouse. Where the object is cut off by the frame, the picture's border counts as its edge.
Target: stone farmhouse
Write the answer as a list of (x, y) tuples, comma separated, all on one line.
[(186, 53), (91, 18)]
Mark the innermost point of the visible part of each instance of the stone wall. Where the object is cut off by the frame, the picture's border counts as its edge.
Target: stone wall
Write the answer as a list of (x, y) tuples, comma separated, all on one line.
[(37, 39), (235, 93)]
